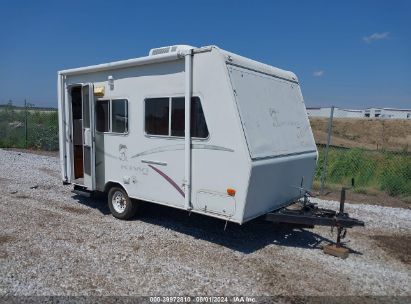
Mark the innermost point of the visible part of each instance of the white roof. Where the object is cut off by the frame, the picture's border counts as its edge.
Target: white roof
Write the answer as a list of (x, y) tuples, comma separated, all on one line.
[(258, 66), (177, 51)]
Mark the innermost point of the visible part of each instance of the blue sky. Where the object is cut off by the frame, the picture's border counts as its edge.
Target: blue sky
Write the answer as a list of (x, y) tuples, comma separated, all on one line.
[(346, 53)]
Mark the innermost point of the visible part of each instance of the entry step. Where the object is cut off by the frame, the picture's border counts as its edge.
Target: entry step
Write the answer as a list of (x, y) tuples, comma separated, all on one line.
[(82, 191)]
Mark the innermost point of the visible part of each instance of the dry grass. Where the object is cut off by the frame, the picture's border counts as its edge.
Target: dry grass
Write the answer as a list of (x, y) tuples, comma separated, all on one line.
[(373, 134)]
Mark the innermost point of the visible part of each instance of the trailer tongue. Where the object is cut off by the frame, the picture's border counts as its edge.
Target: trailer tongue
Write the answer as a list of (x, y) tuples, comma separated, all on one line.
[(308, 215)]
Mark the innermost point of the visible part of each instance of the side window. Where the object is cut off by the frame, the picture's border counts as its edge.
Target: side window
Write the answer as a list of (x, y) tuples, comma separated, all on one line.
[(157, 116), (119, 116), (157, 113), (177, 116), (102, 115), (198, 124)]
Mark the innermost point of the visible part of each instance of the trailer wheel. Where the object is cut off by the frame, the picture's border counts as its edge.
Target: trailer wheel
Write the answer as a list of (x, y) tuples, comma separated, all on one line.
[(121, 206)]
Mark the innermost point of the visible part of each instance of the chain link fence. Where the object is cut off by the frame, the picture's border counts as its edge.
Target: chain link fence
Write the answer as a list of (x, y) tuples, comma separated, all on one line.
[(375, 152), (28, 127)]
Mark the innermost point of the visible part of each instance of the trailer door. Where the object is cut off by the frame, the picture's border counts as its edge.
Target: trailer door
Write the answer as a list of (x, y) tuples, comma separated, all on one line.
[(89, 136)]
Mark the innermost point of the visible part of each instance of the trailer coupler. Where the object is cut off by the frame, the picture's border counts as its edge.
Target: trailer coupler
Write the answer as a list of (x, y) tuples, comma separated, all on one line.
[(309, 215)]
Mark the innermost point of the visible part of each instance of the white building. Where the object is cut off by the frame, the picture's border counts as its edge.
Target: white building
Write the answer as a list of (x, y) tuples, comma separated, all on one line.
[(385, 113), (338, 112), (389, 113)]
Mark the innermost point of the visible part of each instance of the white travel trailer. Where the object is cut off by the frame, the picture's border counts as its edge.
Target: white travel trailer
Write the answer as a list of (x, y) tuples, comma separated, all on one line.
[(124, 130)]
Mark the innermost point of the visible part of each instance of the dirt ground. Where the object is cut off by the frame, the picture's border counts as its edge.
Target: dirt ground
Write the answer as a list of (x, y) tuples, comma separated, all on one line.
[(53, 242), (380, 199)]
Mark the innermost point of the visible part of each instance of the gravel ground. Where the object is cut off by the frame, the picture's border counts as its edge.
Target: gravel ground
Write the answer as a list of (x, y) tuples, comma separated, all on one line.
[(53, 242)]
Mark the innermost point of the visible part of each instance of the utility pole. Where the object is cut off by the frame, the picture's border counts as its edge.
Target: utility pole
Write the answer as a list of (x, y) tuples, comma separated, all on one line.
[(25, 122)]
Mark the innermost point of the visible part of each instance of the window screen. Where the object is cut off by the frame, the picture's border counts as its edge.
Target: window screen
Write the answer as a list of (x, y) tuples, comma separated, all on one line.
[(119, 120), (198, 124), (157, 116), (102, 115)]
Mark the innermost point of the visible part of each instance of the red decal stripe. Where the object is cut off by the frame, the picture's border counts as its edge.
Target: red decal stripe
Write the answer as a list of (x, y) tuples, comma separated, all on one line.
[(167, 178)]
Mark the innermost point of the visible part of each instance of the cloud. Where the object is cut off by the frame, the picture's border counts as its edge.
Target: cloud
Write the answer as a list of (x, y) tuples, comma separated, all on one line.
[(318, 73), (376, 36)]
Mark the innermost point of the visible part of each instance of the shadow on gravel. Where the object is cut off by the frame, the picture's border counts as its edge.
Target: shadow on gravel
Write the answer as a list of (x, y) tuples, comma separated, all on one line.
[(245, 238), (98, 203)]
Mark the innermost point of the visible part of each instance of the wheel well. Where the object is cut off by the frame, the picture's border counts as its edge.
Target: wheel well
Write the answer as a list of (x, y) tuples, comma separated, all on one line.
[(110, 185)]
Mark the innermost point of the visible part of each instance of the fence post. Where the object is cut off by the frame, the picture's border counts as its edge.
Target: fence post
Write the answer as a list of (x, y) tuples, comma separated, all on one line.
[(330, 130), (25, 122)]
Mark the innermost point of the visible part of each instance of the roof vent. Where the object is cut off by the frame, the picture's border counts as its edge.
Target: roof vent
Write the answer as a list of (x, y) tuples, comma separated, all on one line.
[(169, 49), (159, 51)]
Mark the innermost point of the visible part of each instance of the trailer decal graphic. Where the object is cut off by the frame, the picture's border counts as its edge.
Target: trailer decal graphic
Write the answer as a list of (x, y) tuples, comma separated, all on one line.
[(138, 169), (181, 147), (167, 178), (122, 150)]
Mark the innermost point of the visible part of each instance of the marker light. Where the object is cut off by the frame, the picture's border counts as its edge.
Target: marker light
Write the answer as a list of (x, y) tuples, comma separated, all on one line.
[(230, 192)]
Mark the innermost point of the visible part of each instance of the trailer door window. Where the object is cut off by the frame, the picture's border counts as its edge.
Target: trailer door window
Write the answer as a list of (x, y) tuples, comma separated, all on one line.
[(119, 120), (157, 116), (102, 115)]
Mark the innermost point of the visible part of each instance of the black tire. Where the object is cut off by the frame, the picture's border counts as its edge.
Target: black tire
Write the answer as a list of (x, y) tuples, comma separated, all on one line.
[(121, 206)]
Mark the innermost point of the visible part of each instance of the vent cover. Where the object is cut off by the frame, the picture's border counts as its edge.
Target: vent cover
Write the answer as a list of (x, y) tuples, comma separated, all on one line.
[(159, 51), (169, 49)]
